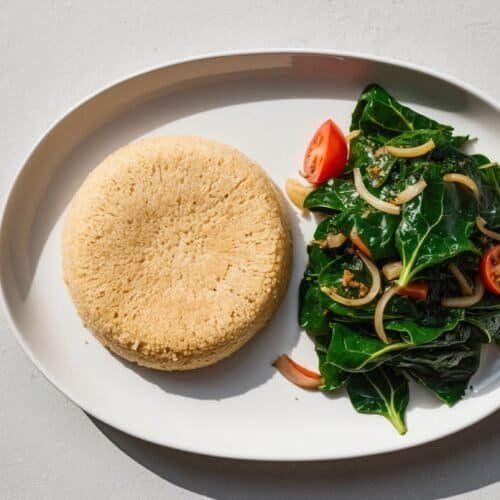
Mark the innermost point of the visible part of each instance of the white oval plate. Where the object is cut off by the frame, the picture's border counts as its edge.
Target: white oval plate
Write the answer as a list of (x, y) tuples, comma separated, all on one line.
[(268, 105)]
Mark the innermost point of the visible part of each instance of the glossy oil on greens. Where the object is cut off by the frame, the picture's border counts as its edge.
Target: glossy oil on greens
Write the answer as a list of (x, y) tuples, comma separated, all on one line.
[(430, 344)]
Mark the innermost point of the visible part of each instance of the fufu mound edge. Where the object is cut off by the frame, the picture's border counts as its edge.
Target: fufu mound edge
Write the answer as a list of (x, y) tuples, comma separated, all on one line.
[(176, 251)]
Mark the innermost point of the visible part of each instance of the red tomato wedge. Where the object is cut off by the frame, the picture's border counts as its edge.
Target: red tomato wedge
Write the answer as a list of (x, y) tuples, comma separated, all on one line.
[(297, 374), (490, 269), (326, 155), (416, 289)]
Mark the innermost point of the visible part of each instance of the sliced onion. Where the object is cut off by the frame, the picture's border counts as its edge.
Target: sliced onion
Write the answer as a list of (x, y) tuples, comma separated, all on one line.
[(335, 240), (481, 225), (465, 288), (352, 135), (468, 300), (392, 270), (297, 192), (297, 374), (379, 312), (383, 206), (465, 180), (410, 192), (381, 151), (407, 152), (372, 293), (332, 241)]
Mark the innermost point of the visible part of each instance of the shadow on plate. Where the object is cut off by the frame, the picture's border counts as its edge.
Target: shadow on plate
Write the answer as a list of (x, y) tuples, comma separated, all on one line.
[(241, 372), (455, 465)]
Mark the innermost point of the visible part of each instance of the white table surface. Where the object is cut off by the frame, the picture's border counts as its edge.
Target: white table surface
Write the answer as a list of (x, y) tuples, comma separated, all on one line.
[(53, 54)]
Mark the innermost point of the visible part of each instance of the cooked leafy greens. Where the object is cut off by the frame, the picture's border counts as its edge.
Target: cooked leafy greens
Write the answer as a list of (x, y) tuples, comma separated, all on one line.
[(383, 391), (379, 115), (434, 227), (436, 345)]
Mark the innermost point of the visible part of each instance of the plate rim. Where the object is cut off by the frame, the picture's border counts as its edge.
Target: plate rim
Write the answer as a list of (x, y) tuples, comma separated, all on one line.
[(468, 88)]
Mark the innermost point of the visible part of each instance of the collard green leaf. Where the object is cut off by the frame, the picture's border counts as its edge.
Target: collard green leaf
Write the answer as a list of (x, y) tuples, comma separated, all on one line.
[(381, 166), (375, 169), (398, 307), (455, 364), (488, 324), (318, 259), (382, 391), (491, 177), (451, 159), (376, 230), (446, 371), (462, 334), (336, 195), (449, 392), (334, 377), (332, 275), (457, 141), (314, 314), (362, 152), (327, 226), (354, 351), (417, 334), (433, 229), (490, 191), (480, 159), (378, 114), (417, 137)]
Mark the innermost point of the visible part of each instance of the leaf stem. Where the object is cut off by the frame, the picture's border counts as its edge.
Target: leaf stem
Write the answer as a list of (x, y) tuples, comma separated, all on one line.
[(404, 277), (397, 421)]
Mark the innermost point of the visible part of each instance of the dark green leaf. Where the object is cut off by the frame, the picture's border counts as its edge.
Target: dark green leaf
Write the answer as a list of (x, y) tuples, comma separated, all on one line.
[(375, 169), (326, 227), (458, 141), (462, 334), (398, 307), (433, 229), (488, 324), (354, 351), (445, 371), (416, 334), (318, 259), (490, 191), (376, 230), (448, 392), (331, 276), (314, 315), (380, 167), (336, 195), (334, 377), (377, 113), (382, 391)]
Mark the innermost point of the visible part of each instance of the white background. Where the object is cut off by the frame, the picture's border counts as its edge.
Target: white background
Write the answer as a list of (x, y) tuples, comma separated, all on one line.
[(53, 54)]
